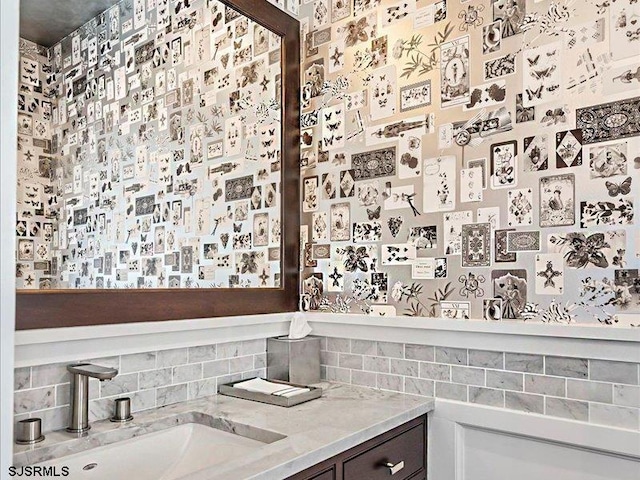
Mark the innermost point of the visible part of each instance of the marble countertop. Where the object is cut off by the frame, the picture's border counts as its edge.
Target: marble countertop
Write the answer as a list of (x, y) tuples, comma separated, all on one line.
[(343, 417)]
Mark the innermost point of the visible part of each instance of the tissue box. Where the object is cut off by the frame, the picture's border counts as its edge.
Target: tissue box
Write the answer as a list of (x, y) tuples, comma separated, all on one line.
[(294, 360)]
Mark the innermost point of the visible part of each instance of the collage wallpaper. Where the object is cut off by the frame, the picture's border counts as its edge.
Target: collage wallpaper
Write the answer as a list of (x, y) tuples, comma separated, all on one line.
[(149, 151), (471, 159)]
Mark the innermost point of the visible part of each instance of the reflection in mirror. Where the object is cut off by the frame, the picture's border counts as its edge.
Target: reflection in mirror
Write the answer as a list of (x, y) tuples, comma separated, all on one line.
[(150, 152)]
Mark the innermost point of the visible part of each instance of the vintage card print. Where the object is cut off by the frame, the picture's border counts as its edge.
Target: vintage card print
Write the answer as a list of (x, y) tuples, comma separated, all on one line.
[(487, 95), (623, 28), (367, 231), (542, 75), (510, 286), (310, 194), (628, 282), (492, 309), (523, 241), (383, 93), (611, 212), (424, 237), (520, 207), (455, 310), (501, 255), (608, 160), (335, 278), (398, 254), (557, 200), (452, 230), (476, 245), (589, 249), (492, 37), (536, 153), (500, 67), (504, 158), (454, 72), (549, 274), (374, 164), (569, 148), (439, 175), (340, 219), (415, 96), (609, 121), (471, 181)]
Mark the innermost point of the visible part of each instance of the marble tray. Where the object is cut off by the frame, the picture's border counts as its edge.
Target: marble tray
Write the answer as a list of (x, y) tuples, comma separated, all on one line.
[(229, 390)]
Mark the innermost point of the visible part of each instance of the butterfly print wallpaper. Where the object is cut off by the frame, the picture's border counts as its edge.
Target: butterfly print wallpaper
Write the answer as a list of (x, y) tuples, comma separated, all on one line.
[(149, 152), (471, 159)]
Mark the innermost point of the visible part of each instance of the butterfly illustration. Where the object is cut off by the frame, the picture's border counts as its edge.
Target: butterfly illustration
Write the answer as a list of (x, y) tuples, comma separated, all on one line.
[(333, 126), (329, 141), (272, 131), (535, 93), (374, 214), (267, 143), (616, 189), (553, 88), (143, 238), (544, 73), (237, 227), (237, 45), (533, 61), (327, 116), (356, 32)]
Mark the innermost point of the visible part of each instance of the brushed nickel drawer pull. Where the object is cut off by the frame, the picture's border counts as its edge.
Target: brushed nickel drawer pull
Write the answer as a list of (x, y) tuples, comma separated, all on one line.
[(393, 469)]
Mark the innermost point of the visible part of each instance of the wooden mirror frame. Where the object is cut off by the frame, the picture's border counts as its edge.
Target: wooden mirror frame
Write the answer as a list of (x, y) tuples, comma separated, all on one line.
[(69, 308)]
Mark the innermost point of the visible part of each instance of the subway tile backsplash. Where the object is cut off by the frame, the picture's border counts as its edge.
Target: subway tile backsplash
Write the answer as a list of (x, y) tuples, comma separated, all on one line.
[(150, 379), (595, 391)]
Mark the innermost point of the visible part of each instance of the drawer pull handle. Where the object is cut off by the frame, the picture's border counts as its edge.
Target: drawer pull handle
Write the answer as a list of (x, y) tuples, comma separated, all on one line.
[(393, 469)]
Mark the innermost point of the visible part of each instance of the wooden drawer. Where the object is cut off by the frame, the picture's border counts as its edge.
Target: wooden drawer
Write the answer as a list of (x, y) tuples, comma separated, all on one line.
[(407, 447)]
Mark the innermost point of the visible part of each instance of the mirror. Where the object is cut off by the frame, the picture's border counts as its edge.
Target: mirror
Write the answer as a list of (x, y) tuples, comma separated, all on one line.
[(158, 165)]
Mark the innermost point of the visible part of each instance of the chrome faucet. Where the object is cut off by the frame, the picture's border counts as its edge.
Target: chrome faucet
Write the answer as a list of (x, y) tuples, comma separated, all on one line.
[(80, 373)]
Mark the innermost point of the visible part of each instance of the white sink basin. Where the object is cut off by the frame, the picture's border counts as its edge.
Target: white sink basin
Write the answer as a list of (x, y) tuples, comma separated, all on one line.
[(165, 455)]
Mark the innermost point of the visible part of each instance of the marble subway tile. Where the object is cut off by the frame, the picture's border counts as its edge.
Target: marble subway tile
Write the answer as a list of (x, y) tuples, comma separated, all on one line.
[(409, 368), (591, 391), (228, 350), (348, 360), (524, 362), (329, 358), (338, 345), (524, 402), (137, 362), (467, 375), (100, 409), (376, 364), (22, 378), (565, 408), (34, 399), (553, 386), (614, 416), (486, 396), (626, 395), (252, 347), (389, 382), (154, 378), (142, 400), (335, 374), (566, 367), (616, 372), (241, 364), (418, 386), (121, 384), (455, 356), (229, 378), (204, 353), (391, 349), (260, 372), (435, 371), (172, 357), (505, 380), (216, 368), (323, 343), (53, 418), (323, 372), (424, 353), (364, 347), (486, 359), (203, 388), (189, 372), (53, 374), (260, 361), (364, 379), (451, 391), (171, 394)]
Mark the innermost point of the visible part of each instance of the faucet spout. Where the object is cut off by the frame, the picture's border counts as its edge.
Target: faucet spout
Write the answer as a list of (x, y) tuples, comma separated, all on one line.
[(80, 373)]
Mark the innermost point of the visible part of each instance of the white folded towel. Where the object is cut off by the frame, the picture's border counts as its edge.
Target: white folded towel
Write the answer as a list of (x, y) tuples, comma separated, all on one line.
[(263, 386)]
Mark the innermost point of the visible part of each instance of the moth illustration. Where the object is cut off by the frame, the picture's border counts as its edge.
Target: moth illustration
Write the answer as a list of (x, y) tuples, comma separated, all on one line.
[(616, 189)]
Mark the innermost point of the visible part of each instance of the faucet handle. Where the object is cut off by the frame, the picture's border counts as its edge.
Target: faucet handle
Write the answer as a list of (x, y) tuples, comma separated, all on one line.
[(94, 371)]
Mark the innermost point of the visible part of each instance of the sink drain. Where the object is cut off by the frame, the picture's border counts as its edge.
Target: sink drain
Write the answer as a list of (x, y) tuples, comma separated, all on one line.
[(90, 466)]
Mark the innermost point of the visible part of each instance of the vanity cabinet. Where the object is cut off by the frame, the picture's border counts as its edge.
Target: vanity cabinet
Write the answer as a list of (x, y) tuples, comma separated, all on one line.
[(399, 454)]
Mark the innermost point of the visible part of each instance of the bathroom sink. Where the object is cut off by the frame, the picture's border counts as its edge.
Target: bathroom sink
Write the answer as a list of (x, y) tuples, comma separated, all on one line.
[(165, 455)]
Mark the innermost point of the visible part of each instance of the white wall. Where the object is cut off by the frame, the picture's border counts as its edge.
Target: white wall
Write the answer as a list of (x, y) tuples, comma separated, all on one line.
[(9, 14)]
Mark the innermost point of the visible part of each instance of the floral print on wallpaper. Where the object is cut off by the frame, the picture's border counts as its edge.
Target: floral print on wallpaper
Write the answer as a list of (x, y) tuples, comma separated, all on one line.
[(471, 159), (149, 151)]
